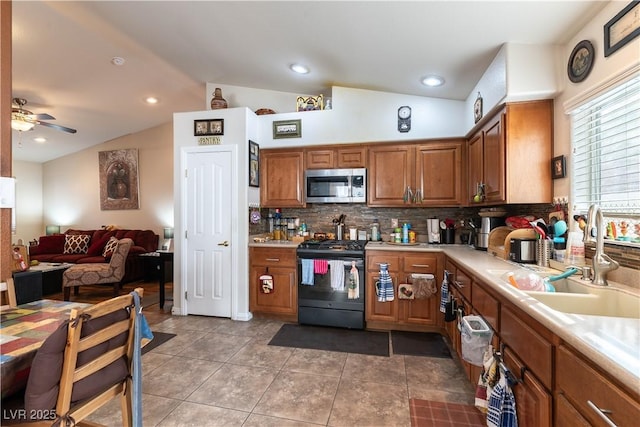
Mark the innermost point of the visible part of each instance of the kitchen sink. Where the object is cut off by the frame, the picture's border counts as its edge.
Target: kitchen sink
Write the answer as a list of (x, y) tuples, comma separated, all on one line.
[(578, 297)]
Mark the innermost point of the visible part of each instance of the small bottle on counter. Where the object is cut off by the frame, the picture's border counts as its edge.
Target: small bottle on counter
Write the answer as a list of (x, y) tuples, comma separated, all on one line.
[(375, 230), (405, 233)]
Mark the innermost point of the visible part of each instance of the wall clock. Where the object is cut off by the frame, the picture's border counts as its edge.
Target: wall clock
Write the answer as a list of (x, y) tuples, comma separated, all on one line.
[(477, 108), (580, 61), (404, 119)]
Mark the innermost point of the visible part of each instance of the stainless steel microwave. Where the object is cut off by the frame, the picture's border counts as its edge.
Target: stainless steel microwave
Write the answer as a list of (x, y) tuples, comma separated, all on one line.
[(336, 185)]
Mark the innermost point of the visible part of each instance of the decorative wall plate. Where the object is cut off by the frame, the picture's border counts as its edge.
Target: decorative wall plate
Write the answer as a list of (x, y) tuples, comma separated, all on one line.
[(580, 61), (477, 108)]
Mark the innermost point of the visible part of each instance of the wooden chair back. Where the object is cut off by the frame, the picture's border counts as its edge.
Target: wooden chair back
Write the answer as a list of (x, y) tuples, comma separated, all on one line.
[(81, 340), (8, 290)]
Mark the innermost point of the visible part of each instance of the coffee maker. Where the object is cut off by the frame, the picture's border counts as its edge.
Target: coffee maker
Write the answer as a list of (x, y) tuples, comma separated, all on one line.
[(433, 229), (482, 227)]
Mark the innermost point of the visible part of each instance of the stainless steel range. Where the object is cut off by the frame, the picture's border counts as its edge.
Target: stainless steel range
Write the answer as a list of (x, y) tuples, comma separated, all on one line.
[(331, 283)]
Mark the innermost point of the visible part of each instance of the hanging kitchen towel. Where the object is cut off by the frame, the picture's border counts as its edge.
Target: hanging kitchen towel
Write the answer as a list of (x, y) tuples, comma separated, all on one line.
[(444, 293), (336, 268), (502, 406), (405, 291), (320, 266), (486, 380), (354, 282), (307, 272), (424, 285)]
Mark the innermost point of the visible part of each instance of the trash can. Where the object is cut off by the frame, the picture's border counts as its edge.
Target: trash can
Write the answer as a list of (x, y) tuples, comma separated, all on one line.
[(475, 337)]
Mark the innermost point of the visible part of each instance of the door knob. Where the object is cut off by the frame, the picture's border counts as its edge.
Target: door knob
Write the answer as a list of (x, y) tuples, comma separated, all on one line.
[(225, 243)]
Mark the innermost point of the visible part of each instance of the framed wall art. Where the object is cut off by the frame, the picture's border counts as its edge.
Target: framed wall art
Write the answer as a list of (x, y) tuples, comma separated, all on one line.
[(208, 127), (622, 28), (580, 61), (254, 164), (310, 103), (118, 172), (287, 129), (558, 167)]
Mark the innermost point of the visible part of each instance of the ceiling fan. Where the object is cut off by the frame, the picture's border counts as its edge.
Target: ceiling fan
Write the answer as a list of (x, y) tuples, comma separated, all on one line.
[(23, 120)]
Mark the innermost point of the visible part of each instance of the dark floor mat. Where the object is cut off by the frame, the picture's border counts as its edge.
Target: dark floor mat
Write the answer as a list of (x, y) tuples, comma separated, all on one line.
[(159, 338), (419, 344), (333, 339)]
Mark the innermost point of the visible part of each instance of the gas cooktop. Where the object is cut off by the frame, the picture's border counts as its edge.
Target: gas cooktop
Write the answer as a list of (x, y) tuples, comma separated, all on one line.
[(332, 246)]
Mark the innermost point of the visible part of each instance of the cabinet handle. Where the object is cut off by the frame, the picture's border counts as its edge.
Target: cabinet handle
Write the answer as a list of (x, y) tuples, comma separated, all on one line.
[(225, 243), (273, 259), (420, 265), (601, 413), (458, 284)]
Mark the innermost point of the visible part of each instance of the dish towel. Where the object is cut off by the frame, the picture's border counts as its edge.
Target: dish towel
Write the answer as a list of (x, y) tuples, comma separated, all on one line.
[(502, 406), (307, 272), (444, 293), (354, 282), (385, 285), (337, 275), (320, 266)]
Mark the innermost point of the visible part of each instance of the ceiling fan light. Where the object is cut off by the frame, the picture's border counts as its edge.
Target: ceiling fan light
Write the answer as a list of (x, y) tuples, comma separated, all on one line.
[(21, 125)]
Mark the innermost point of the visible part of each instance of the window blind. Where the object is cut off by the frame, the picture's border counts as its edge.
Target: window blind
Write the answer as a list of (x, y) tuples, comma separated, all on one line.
[(606, 151)]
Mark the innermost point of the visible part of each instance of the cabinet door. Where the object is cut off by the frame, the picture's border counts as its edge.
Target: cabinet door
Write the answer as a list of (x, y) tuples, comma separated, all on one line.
[(475, 166), (439, 173), (349, 158), (533, 401), (380, 311), (282, 178), (320, 159), (390, 173), (567, 415), (283, 299), (419, 311), (494, 162)]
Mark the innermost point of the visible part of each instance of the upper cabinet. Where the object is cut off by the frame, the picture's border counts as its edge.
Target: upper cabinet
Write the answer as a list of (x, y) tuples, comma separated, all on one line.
[(428, 173), (349, 157), (509, 157), (282, 178)]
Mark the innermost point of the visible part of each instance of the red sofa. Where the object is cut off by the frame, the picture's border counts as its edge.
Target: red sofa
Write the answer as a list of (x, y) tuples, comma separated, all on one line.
[(51, 249)]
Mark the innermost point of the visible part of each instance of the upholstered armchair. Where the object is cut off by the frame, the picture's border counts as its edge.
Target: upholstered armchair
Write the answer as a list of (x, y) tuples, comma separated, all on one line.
[(98, 273)]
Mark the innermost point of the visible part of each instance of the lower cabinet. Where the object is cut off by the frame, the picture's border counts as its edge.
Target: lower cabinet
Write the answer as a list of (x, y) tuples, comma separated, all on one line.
[(402, 313), (281, 265), (584, 390)]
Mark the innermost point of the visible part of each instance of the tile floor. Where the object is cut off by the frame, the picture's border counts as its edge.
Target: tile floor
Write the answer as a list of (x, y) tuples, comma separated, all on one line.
[(217, 372)]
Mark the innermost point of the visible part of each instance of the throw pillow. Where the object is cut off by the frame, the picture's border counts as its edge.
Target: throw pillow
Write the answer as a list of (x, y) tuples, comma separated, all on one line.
[(111, 246), (76, 243)]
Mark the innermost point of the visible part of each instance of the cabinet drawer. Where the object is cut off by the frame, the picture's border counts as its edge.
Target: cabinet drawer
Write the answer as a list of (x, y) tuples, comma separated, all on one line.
[(270, 256), (582, 384), (463, 283), (374, 261), (486, 305), (423, 264), (535, 351)]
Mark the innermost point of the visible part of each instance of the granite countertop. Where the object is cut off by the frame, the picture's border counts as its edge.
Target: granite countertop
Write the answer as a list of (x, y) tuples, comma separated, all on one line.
[(613, 343)]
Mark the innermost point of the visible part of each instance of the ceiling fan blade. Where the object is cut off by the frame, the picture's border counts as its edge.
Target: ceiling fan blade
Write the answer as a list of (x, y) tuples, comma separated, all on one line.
[(42, 116), (58, 127)]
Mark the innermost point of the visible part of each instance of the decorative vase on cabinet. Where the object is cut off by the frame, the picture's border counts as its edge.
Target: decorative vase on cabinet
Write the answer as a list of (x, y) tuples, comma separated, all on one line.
[(218, 102)]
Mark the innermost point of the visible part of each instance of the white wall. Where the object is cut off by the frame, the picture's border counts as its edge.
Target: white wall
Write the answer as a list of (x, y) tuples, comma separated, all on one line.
[(604, 71), (71, 189), (29, 224)]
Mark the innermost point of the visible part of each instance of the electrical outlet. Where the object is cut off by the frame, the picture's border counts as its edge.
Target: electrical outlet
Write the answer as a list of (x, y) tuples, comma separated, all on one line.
[(394, 222)]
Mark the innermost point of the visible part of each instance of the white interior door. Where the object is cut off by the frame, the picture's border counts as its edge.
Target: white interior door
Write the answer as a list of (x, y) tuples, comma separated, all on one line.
[(208, 225)]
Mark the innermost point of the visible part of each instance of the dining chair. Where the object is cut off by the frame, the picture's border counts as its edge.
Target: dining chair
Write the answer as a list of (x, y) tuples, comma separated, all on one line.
[(85, 364), (98, 273), (8, 290)]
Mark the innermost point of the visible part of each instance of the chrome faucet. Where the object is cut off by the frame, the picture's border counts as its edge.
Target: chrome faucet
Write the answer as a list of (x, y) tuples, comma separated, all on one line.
[(602, 263)]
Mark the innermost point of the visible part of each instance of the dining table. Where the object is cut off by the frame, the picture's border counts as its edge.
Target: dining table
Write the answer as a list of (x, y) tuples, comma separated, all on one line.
[(23, 329)]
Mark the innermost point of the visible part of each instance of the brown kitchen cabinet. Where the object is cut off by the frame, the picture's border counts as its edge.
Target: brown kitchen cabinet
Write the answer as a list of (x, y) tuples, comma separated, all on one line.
[(402, 313), (281, 178), (579, 383), (281, 264), (344, 157), (511, 150), (433, 168)]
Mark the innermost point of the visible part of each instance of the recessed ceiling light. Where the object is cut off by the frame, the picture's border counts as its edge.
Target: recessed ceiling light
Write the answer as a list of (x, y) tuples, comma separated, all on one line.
[(299, 68), (151, 100), (117, 60), (433, 81), (40, 139)]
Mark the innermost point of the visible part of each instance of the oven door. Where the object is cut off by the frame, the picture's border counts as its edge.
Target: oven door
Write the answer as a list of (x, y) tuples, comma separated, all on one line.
[(331, 288)]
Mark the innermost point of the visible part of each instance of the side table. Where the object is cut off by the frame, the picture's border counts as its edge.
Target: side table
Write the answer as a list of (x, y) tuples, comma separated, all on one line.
[(159, 259)]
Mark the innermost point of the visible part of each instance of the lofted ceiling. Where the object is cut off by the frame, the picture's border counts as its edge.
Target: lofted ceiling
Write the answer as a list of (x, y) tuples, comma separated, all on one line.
[(62, 54)]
